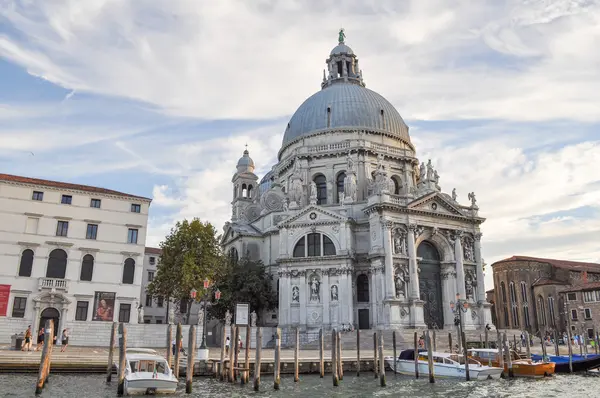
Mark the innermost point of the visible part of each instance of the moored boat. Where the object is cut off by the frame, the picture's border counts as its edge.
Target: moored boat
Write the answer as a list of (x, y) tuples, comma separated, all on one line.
[(520, 367), (579, 362), (148, 373), (444, 365)]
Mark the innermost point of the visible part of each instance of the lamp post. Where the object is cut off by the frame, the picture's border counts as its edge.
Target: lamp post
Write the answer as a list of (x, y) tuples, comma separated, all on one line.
[(458, 308), (207, 290)]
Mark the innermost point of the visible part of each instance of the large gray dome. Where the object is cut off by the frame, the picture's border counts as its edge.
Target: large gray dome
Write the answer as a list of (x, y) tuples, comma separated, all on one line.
[(351, 106)]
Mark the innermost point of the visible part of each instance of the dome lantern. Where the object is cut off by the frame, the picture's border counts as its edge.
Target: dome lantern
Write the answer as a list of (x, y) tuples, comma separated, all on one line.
[(245, 164), (342, 65)]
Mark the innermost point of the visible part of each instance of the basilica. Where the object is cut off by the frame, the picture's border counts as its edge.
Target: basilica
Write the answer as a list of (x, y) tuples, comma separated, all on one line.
[(354, 228)]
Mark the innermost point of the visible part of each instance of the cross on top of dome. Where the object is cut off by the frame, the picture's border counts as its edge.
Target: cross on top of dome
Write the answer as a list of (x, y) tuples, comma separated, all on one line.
[(342, 64)]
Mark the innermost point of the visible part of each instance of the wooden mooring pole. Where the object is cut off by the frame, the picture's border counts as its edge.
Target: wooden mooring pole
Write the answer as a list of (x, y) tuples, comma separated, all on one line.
[(277, 369), (334, 373), (506, 347), (189, 372), (236, 352), (527, 345), (321, 354), (122, 359), (570, 352), (45, 359), (113, 338), (340, 366), (434, 342), (222, 370), (178, 336), (450, 342), (232, 343), (247, 356), (416, 341), (296, 356), (500, 348), (382, 382), (375, 368), (395, 354), (357, 352), (169, 345), (430, 357), (257, 362), (464, 345)]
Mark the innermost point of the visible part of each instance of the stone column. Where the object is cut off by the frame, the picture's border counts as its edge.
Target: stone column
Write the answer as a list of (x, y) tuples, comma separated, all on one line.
[(479, 262), (460, 269), (448, 276), (414, 293), (304, 296), (63, 319), (348, 298), (326, 302), (34, 322), (389, 261), (373, 294)]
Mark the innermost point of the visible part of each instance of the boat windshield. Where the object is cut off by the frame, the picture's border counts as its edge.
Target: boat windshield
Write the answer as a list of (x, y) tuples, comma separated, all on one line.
[(461, 360)]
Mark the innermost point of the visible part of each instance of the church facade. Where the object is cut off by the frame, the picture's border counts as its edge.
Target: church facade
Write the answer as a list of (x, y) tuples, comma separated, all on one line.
[(355, 229)]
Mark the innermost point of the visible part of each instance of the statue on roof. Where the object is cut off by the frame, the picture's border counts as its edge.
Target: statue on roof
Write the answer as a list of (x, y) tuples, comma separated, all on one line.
[(341, 36)]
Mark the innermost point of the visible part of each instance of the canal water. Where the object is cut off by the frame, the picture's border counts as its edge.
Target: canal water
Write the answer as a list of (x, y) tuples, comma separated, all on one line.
[(78, 386)]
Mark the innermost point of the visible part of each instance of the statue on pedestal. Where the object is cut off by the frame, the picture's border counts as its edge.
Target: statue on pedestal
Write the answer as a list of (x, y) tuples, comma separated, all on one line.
[(228, 318), (140, 313), (200, 316), (253, 319), (171, 314)]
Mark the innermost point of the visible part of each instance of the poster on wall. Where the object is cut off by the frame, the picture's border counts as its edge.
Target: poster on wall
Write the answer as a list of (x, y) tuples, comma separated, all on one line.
[(104, 304), (242, 311), (4, 296)]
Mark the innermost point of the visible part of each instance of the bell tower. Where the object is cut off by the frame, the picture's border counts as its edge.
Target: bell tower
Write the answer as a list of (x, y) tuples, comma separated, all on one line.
[(245, 186)]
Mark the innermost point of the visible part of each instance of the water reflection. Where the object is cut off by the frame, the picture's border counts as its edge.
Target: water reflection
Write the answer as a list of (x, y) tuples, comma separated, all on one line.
[(311, 386)]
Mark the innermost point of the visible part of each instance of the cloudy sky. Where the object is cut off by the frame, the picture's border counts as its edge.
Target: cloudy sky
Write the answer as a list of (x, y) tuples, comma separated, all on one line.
[(158, 98)]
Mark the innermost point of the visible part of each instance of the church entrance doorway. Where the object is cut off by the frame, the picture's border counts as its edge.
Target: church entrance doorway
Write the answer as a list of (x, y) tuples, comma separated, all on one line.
[(50, 314), (430, 285), (363, 318)]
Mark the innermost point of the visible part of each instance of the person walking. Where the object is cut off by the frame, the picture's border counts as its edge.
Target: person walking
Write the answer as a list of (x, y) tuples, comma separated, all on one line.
[(40, 340), (64, 338), (27, 343)]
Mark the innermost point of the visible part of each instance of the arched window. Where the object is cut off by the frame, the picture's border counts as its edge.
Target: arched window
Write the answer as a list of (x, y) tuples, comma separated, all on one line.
[(57, 264), (397, 185), (503, 288), (250, 191), (513, 304), (128, 271), (233, 255), (244, 191), (541, 311), (340, 185), (314, 245), (87, 268), (321, 189), (525, 303), (428, 252), (362, 289), (26, 263), (551, 310)]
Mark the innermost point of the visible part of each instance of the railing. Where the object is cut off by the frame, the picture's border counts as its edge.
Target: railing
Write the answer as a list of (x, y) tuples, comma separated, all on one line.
[(53, 284)]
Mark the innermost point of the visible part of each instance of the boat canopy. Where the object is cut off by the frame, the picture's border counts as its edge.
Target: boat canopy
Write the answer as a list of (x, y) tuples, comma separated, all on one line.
[(409, 354)]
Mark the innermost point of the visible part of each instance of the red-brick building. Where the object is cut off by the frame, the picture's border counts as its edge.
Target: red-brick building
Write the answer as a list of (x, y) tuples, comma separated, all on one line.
[(529, 292)]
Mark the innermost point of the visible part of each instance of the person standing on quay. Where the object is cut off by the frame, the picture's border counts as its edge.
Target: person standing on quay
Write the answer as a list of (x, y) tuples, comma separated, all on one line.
[(27, 343), (227, 343), (64, 340), (40, 340)]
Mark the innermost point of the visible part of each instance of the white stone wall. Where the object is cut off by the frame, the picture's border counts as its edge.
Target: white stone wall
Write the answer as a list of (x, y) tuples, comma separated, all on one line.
[(18, 213)]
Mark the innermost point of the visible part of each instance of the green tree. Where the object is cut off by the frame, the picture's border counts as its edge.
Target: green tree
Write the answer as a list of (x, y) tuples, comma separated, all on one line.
[(190, 253), (244, 281)]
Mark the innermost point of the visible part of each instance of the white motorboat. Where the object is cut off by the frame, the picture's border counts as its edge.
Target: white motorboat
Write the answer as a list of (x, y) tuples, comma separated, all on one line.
[(147, 372), (444, 365)]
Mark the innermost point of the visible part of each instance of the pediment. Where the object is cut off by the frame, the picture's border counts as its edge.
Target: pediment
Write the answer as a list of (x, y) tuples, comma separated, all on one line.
[(435, 203), (312, 215)]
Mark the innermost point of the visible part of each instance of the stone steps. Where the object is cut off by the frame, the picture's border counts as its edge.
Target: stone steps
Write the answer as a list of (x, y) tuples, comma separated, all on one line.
[(405, 338)]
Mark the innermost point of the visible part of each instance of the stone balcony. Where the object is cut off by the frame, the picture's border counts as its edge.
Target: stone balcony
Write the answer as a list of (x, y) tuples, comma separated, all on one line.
[(53, 284)]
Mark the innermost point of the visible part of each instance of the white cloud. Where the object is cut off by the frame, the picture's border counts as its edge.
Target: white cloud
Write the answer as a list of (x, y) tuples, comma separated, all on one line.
[(239, 59)]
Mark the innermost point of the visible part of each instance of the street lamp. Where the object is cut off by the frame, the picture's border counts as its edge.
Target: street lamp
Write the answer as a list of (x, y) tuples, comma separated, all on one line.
[(193, 293), (458, 309)]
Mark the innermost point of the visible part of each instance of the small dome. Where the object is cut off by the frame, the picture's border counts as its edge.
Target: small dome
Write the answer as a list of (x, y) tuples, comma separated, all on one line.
[(245, 164), (341, 49)]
